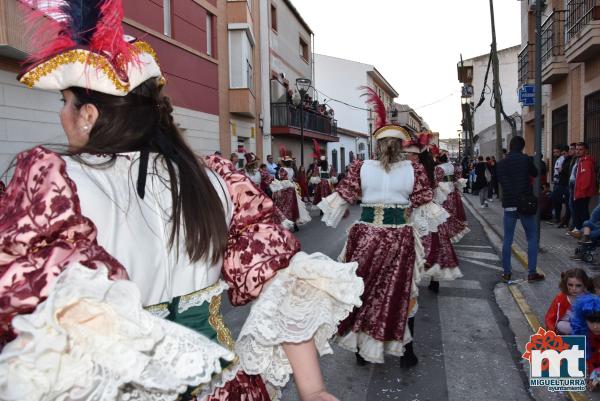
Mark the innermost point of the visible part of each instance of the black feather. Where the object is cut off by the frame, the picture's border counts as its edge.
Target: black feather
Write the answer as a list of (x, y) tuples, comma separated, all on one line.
[(82, 17)]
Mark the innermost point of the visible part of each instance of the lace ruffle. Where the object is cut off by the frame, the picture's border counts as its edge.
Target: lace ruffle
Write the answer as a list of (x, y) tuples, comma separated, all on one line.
[(277, 185), (315, 180), (460, 235), (306, 300), (333, 207), (461, 183), (447, 274), (91, 339), (441, 192), (304, 215), (425, 219), (200, 297), (371, 349)]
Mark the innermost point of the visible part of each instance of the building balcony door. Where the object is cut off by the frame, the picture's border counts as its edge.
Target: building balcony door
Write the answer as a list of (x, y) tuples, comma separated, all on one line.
[(334, 161), (343, 159), (591, 123)]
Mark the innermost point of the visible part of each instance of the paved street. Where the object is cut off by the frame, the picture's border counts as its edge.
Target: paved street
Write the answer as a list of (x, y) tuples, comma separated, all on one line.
[(465, 344)]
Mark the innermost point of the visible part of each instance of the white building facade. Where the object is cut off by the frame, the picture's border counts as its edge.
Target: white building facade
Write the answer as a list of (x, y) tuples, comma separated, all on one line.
[(338, 81)]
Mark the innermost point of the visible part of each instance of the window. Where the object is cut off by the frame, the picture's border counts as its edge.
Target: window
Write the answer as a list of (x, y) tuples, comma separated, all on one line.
[(334, 159), (167, 18), (303, 49), (273, 18), (591, 123), (343, 158), (209, 34), (249, 2), (241, 60), (560, 128)]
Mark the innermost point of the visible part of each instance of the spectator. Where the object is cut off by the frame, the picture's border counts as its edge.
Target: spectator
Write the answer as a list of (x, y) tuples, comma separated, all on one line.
[(514, 172), (586, 322), (585, 187), (591, 229), (271, 166), (572, 177), (234, 159), (564, 179), (491, 166), (560, 191), (482, 176), (546, 202), (495, 177), (573, 283)]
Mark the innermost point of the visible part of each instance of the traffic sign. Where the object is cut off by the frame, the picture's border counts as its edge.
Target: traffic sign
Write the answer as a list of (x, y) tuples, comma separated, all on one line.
[(527, 95)]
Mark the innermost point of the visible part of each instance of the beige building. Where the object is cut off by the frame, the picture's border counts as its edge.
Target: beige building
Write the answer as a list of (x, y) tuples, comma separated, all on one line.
[(570, 73)]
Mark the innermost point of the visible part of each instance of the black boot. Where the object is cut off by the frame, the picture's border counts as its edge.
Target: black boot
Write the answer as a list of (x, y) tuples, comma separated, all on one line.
[(434, 286), (360, 361), (409, 359)]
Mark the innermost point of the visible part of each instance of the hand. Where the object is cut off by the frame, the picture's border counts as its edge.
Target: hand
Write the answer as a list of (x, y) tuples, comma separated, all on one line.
[(321, 396)]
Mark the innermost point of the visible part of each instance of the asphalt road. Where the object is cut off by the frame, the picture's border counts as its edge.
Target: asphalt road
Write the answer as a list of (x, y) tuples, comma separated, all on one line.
[(465, 347)]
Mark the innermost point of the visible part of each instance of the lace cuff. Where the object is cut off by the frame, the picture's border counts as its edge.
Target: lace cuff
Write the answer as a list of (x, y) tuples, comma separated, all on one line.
[(333, 207), (425, 219), (91, 336), (306, 300), (314, 180), (461, 183), (441, 192)]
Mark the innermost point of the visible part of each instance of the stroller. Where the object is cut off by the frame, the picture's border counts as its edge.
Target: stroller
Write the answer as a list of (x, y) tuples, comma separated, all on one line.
[(588, 251)]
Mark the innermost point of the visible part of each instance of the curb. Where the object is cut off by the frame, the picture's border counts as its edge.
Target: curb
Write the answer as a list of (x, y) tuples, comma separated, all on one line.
[(530, 316)]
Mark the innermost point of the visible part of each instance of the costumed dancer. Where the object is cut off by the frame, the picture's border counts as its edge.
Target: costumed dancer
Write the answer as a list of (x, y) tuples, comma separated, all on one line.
[(396, 212), (128, 217), (320, 178), (302, 182), (442, 263), (284, 192), (447, 194), (251, 169)]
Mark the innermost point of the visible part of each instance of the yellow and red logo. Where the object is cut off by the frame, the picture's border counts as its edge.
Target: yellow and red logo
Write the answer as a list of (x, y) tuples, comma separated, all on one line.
[(542, 341)]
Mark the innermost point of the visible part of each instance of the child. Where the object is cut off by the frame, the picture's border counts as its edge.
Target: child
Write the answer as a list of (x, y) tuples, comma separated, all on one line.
[(586, 322), (573, 283)]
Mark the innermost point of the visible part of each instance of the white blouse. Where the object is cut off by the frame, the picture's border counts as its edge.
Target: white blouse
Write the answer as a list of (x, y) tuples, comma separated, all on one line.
[(381, 187), (136, 231)]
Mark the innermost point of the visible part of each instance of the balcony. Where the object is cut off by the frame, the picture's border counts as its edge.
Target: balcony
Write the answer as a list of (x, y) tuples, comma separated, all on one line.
[(526, 64), (582, 30), (242, 102), (13, 43), (554, 64), (285, 120)]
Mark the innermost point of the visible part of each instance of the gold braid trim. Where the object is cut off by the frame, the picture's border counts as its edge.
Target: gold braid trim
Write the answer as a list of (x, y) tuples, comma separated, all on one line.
[(216, 322), (95, 60)]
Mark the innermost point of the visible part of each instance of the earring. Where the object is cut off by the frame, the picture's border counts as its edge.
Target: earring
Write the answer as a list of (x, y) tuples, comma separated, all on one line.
[(86, 127)]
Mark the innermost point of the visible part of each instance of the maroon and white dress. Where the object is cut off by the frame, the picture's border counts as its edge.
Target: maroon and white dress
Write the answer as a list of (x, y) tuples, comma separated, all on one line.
[(396, 212), (447, 194), (284, 196), (320, 180), (94, 301), (440, 255)]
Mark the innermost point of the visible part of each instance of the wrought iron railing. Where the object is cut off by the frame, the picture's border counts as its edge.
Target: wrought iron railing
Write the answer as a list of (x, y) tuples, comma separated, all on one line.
[(579, 14), (526, 65), (553, 36), (288, 115)]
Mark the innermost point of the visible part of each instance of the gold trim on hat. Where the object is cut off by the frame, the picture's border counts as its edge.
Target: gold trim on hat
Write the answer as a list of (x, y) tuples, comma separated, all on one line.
[(99, 62), (397, 128)]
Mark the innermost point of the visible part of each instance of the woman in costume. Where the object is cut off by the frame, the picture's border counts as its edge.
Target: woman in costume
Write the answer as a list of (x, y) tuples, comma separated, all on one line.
[(251, 169), (447, 194), (396, 212), (127, 217), (283, 188), (441, 260), (303, 184), (320, 177)]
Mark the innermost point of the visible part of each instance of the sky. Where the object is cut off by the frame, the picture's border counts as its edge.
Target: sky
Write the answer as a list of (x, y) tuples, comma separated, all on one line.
[(415, 44)]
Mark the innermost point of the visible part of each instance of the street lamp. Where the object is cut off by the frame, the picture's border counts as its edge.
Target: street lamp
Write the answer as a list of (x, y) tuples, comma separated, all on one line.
[(370, 119), (303, 85)]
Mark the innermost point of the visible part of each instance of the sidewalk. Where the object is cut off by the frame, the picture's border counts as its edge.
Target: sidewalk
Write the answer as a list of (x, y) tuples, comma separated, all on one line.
[(553, 258)]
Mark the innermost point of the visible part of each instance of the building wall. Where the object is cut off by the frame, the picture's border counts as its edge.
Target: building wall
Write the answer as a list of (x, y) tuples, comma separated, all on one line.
[(349, 143), (485, 115), (340, 79)]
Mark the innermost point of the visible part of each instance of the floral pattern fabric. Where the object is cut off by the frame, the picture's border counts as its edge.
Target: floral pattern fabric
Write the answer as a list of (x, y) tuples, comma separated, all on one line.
[(257, 246), (42, 231)]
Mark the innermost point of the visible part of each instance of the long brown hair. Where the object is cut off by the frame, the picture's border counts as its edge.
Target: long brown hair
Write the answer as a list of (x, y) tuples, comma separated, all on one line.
[(143, 121), (578, 274), (389, 151)]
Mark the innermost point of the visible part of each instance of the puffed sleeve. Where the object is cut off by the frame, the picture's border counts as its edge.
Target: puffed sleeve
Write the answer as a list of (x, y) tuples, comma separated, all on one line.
[(347, 192), (297, 296), (42, 231), (425, 215), (443, 188)]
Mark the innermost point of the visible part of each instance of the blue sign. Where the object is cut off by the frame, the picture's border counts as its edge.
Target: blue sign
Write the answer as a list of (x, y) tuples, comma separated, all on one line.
[(527, 95)]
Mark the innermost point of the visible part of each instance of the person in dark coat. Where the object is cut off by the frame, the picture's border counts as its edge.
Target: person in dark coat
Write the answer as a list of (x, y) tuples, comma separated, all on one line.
[(481, 182), (514, 173)]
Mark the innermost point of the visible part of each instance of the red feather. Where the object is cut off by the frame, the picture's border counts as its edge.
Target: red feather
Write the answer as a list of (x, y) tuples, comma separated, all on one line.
[(282, 151), (316, 150), (378, 107), (108, 37)]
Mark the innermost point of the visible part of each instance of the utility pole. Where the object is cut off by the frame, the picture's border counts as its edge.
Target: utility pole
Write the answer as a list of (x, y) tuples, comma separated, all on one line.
[(538, 107), (497, 98)]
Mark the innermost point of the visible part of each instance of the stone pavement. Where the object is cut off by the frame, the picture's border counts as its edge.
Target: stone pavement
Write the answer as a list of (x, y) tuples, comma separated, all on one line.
[(553, 258)]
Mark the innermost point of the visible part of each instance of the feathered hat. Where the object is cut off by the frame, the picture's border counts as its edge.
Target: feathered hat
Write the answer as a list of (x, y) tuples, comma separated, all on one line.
[(80, 43), (283, 155), (383, 129), (316, 151), (250, 157)]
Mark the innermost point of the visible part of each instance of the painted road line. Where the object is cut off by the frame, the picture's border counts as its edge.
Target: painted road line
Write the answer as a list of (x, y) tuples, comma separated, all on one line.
[(476, 262), (478, 255), (473, 246)]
